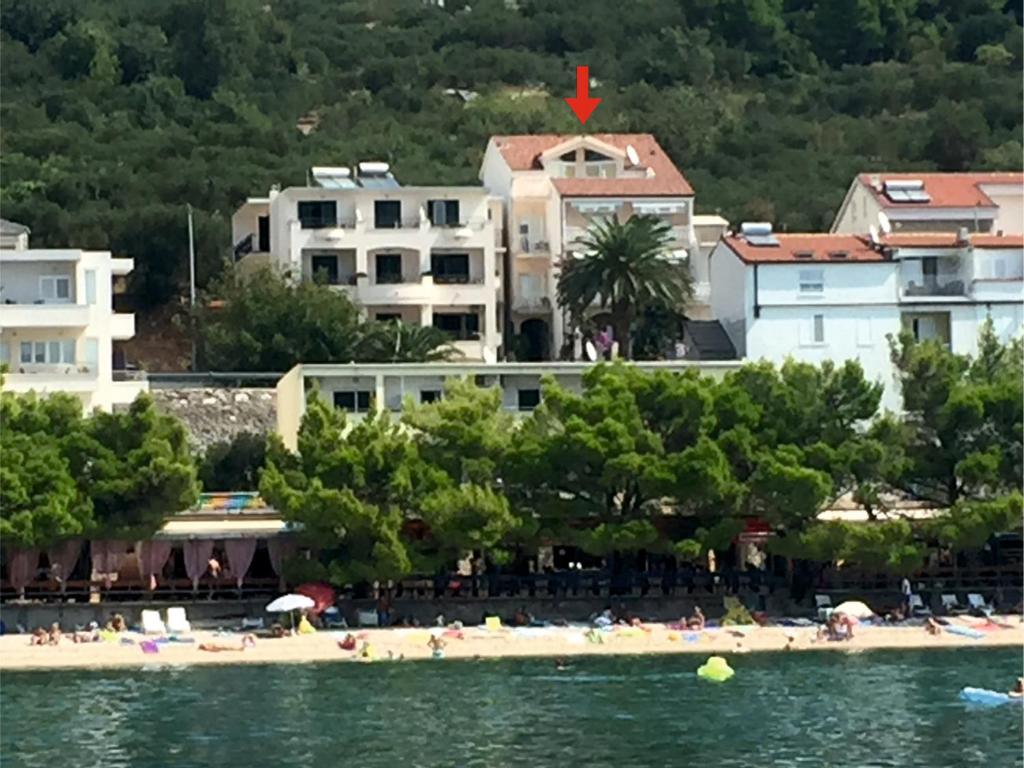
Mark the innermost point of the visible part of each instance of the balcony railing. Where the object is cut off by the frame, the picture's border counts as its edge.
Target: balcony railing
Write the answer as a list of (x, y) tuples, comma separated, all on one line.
[(243, 247), (940, 285)]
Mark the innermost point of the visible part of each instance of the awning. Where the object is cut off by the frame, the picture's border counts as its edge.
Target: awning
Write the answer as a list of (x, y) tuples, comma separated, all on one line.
[(227, 528)]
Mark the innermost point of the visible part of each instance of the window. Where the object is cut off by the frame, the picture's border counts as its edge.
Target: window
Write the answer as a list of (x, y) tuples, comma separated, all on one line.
[(90, 286), (353, 402), (528, 399), (450, 267), (388, 317), (47, 352), (444, 213), (389, 268), (568, 157), (316, 214), (325, 269), (461, 327), (263, 238), (55, 288), (591, 156), (812, 281), (819, 329), (430, 395), (5, 352), (387, 214)]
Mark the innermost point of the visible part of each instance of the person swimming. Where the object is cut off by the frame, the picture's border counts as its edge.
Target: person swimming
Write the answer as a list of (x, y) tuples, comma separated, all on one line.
[(1018, 689), (561, 664)]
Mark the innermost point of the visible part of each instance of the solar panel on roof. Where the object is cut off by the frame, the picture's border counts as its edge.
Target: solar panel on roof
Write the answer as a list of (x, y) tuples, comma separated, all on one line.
[(335, 183), (378, 182), (762, 241), (918, 196)]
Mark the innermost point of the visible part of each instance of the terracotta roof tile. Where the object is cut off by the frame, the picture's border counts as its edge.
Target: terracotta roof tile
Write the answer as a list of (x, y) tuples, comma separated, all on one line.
[(522, 153), (947, 190), (949, 240), (810, 247)]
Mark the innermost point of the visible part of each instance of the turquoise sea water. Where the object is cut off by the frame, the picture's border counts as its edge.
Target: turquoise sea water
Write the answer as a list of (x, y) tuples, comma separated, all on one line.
[(799, 709)]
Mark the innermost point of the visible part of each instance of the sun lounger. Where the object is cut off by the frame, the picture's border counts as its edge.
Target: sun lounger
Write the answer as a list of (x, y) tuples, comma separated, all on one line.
[(177, 621), (978, 604), (256, 623), (824, 605), (368, 619), (951, 606), (152, 624), (917, 606)]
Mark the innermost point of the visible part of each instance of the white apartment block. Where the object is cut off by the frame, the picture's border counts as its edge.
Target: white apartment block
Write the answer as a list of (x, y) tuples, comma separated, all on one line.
[(359, 389), (57, 324), (817, 297), (422, 255), (992, 203), (554, 188)]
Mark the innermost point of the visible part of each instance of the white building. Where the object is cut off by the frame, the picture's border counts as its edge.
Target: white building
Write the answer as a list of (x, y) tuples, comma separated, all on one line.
[(422, 255), (933, 202), (554, 186), (57, 325), (358, 388), (13, 236), (816, 297)]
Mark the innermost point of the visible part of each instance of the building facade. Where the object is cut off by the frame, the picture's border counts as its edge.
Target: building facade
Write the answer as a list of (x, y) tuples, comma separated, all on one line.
[(991, 203), (818, 297), (58, 325), (421, 255), (359, 389), (554, 187)]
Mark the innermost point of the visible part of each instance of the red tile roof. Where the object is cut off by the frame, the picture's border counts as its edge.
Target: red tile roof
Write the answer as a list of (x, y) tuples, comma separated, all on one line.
[(947, 190), (949, 240), (817, 247), (522, 153)]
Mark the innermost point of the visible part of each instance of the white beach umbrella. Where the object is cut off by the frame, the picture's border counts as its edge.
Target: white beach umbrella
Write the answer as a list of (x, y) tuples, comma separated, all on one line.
[(855, 609), (288, 603)]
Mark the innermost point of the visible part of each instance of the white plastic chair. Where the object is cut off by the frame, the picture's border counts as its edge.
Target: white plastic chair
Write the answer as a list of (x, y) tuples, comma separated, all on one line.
[(917, 606), (824, 605), (177, 621), (977, 603), (152, 624), (368, 619)]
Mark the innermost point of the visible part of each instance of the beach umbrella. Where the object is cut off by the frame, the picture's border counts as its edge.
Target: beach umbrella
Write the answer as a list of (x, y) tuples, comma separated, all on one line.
[(854, 609), (323, 595), (288, 603)]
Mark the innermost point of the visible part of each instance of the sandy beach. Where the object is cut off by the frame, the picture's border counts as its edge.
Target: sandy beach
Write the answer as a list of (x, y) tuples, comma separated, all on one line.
[(477, 642)]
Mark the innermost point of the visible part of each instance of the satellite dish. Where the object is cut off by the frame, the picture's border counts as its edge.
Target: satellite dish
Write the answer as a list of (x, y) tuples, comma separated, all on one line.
[(591, 350), (883, 223), (873, 231), (489, 357), (632, 155)]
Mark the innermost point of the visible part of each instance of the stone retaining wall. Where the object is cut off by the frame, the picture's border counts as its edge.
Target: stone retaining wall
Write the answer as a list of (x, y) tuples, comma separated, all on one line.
[(213, 414)]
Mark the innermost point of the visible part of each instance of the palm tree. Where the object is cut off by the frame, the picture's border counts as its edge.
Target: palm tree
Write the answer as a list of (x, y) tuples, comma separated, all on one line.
[(395, 342), (628, 268)]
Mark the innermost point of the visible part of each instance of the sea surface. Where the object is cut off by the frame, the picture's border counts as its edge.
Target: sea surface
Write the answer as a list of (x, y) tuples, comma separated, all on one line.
[(800, 709)]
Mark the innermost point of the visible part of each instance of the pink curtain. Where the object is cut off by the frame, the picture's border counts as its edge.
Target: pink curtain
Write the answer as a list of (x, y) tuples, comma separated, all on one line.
[(107, 558), (279, 549), (197, 559), (21, 567), (63, 558), (239, 552), (153, 557)]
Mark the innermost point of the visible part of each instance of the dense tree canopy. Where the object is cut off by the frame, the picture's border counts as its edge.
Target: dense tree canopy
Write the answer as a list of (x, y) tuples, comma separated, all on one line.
[(118, 113), (66, 475), (669, 463), (269, 323)]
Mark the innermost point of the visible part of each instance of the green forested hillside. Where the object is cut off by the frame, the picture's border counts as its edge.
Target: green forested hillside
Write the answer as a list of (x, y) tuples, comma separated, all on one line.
[(118, 112)]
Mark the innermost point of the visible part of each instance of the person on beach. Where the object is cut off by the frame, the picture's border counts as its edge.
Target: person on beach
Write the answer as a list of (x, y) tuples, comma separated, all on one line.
[(39, 637), (932, 627), (436, 644), (696, 622), (55, 634), (1018, 689), (522, 618), (906, 591), (305, 628), (90, 635), (348, 642), (116, 623), (248, 641)]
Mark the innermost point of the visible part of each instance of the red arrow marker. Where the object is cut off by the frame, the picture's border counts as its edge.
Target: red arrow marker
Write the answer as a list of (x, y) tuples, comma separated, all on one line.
[(583, 105)]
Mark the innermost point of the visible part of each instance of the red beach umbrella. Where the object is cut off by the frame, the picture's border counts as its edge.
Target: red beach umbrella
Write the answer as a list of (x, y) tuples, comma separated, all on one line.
[(321, 594)]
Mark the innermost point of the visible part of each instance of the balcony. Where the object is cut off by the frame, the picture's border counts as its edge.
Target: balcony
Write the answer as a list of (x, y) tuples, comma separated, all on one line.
[(40, 315), (42, 378), (931, 278), (122, 326)]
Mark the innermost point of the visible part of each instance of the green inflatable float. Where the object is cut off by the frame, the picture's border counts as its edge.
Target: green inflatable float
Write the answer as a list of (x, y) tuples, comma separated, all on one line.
[(715, 669)]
